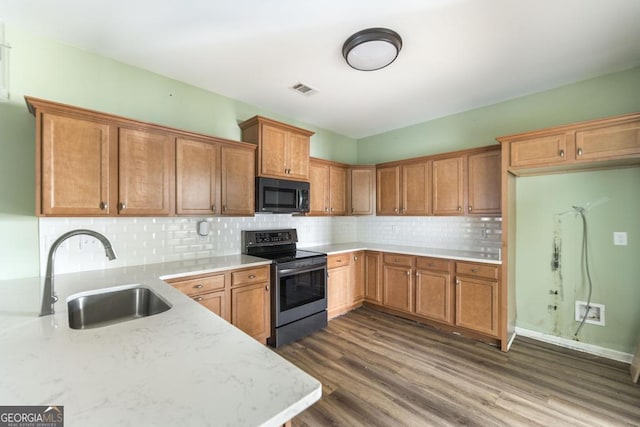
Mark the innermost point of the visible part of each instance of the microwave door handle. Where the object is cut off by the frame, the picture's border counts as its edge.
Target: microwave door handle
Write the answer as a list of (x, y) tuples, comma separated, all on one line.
[(299, 198)]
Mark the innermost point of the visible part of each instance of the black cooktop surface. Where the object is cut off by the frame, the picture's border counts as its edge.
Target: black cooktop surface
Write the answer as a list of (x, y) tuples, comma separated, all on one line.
[(289, 255)]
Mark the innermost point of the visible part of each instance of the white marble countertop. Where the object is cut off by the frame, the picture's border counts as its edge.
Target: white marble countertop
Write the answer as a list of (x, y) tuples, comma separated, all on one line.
[(185, 366), (331, 249)]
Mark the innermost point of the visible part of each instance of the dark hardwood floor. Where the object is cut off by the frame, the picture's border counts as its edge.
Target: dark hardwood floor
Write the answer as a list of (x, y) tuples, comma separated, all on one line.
[(380, 370)]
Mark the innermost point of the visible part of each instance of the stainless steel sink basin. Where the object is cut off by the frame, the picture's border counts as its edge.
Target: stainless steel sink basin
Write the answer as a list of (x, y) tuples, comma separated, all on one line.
[(108, 306)]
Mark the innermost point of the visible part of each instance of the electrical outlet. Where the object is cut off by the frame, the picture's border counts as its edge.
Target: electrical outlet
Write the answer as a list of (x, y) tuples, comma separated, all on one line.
[(394, 229), (87, 242), (620, 238)]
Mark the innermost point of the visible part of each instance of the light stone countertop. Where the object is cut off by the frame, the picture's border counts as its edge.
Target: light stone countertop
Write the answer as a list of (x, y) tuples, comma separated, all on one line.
[(332, 249), (185, 366)]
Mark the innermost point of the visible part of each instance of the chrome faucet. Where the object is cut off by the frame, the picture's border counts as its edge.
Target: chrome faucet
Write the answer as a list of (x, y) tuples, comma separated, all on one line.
[(49, 297)]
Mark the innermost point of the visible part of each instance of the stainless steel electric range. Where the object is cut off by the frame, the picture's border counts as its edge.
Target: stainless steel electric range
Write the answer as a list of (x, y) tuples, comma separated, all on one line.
[(298, 283)]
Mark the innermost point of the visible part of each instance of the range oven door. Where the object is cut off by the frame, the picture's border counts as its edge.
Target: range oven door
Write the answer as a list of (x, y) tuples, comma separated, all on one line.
[(300, 290)]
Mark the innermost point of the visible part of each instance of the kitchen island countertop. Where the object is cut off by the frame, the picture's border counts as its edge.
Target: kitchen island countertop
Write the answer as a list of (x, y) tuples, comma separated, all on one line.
[(185, 366)]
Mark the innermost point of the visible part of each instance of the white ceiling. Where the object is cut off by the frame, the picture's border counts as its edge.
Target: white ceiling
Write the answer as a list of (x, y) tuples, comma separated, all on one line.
[(457, 54)]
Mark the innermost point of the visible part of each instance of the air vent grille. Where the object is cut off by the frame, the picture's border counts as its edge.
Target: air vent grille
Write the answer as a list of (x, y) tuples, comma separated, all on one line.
[(303, 89)]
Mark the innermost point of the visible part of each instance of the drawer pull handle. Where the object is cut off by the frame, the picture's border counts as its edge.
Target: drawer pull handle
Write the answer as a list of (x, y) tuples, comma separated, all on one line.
[(338, 260), (198, 287), (198, 299), (474, 270), (252, 276), (561, 153)]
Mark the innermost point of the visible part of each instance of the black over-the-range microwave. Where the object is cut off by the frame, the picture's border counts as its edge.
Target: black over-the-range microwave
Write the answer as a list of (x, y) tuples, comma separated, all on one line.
[(281, 196)]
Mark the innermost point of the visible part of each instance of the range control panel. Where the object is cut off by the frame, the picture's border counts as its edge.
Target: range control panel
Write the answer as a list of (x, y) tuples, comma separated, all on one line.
[(268, 237)]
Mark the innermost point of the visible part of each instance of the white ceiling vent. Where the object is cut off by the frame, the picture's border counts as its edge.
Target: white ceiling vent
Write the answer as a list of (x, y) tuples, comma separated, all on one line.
[(303, 89)]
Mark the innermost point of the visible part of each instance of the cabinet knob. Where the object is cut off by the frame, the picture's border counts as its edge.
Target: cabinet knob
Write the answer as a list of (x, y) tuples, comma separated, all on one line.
[(198, 287), (213, 208), (252, 276), (403, 210), (561, 153), (395, 210), (470, 208), (326, 209), (266, 288), (355, 258), (224, 208), (122, 206), (332, 209), (579, 151), (104, 206), (198, 299), (457, 282), (409, 273), (459, 208), (417, 274)]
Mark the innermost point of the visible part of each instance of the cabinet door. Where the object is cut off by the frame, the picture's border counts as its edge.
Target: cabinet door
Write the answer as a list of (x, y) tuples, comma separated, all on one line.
[(373, 277), (397, 288), (250, 310), (433, 295), (146, 170), (338, 190), (76, 165), (273, 149), (197, 178), (297, 157), (337, 291), (541, 151), (319, 189), (415, 189), (216, 302), (388, 190), (448, 186), (477, 304), (361, 196), (484, 183), (237, 181), (358, 275), (608, 142)]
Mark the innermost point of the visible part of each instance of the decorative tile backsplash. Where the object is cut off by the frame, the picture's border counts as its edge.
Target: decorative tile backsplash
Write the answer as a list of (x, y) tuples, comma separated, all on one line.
[(152, 240)]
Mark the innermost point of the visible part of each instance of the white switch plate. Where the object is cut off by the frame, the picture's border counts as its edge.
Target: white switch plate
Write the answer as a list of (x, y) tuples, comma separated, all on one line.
[(620, 238)]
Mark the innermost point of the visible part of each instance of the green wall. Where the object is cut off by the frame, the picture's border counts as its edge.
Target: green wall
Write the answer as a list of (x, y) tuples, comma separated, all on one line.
[(613, 202), (590, 99), (53, 71)]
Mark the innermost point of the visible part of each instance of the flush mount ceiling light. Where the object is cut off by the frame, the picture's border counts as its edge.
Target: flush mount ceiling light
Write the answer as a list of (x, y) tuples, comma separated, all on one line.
[(372, 49)]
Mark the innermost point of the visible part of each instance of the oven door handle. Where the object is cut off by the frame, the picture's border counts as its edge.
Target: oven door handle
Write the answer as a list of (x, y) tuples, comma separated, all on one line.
[(288, 271)]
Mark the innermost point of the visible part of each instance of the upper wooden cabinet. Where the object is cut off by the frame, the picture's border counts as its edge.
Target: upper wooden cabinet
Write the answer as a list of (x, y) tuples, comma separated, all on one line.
[(146, 172), (610, 142), (77, 172), (197, 177), (467, 184), (237, 180), (403, 189), (283, 150), (328, 187), (361, 195), (96, 164)]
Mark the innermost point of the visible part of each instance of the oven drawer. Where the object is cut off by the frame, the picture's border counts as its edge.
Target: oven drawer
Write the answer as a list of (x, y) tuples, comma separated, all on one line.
[(200, 285), (339, 260), (250, 276)]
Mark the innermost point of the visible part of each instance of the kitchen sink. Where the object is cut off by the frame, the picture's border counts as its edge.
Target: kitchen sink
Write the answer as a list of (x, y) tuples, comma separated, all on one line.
[(113, 305)]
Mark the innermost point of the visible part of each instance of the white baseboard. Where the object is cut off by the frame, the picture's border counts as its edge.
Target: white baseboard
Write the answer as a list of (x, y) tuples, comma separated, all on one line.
[(576, 345)]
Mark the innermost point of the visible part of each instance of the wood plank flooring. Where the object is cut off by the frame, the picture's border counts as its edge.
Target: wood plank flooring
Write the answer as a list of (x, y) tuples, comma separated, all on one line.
[(380, 370)]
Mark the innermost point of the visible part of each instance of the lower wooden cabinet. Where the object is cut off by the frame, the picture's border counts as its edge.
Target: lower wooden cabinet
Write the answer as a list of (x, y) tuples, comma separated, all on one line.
[(345, 284), (397, 287), (434, 290), (373, 277), (477, 297), (240, 296)]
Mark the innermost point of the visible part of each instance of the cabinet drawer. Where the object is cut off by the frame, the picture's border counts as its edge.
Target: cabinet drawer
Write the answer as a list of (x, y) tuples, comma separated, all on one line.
[(405, 260), (249, 276), (339, 260), (432, 264), (200, 285), (478, 270)]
